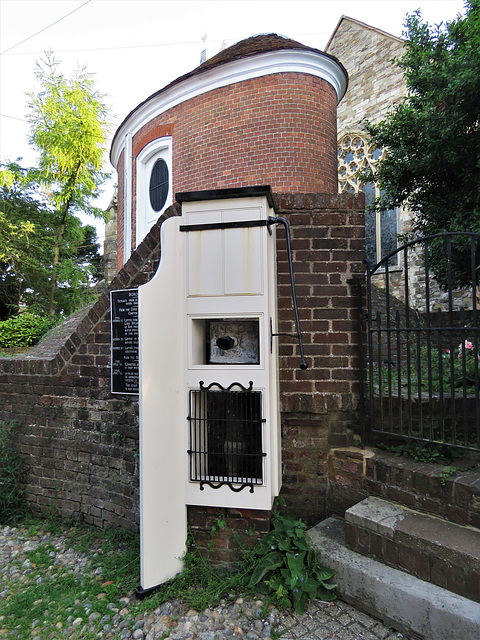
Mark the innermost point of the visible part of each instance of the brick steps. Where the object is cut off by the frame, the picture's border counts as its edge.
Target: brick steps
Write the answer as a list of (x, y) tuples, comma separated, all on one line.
[(443, 553), (412, 606)]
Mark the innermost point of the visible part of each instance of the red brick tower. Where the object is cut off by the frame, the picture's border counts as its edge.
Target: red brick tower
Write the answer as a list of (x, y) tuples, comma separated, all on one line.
[(260, 112)]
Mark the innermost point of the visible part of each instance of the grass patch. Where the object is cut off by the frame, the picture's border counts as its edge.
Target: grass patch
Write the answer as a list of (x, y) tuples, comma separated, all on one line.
[(452, 371), (48, 590), (79, 582)]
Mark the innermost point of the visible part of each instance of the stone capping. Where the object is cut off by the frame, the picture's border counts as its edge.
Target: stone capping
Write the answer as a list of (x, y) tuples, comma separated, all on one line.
[(54, 352), (288, 202), (437, 551)]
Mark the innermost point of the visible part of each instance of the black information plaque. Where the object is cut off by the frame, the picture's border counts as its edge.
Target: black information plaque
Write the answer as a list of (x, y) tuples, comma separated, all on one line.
[(124, 331)]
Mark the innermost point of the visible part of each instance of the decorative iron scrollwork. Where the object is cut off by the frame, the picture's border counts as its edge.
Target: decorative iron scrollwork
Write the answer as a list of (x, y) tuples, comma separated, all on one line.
[(226, 436)]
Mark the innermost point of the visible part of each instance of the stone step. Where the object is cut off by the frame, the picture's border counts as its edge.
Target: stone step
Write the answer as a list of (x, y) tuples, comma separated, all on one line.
[(432, 549), (400, 600)]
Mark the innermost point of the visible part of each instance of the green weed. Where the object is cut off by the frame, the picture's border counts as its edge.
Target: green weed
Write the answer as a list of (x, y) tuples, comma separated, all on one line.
[(285, 567), (447, 472)]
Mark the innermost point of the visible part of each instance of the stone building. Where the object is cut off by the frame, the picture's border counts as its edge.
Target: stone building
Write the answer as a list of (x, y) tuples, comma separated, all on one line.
[(375, 84)]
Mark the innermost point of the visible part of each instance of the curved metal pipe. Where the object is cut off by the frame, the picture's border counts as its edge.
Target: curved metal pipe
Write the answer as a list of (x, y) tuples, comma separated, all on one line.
[(297, 335)]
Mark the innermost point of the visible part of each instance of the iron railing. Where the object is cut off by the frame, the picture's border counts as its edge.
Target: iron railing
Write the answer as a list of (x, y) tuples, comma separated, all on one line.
[(422, 346)]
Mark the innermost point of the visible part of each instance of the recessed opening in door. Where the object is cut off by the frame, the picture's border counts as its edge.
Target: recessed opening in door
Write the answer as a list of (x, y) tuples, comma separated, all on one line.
[(226, 341), (226, 436)]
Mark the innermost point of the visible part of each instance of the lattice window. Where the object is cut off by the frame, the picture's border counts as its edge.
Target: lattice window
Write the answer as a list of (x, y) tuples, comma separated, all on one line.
[(226, 436), (355, 155)]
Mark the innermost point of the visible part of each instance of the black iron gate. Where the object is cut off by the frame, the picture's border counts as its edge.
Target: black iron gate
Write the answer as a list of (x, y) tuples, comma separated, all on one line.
[(422, 348)]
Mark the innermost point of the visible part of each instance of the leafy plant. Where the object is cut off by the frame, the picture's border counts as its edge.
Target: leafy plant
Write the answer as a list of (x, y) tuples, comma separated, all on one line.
[(447, 472), (23, 330), (12, 472), (69, 128), (432, 138), (286, 567), (451, 371), (431, 452)]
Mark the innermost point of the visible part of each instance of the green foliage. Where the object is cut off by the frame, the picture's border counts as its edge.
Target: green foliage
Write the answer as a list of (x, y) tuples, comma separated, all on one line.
[(55, 593), (447, 472), (28, 226), (26, 230), (281, 566), (286, 568), (12, 472), (430, 452), (69, 129), (433, 137), (420, 451), (23, 330), (430, 369)]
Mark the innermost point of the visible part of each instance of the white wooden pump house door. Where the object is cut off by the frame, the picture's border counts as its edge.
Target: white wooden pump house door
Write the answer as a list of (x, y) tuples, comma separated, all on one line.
[(209, 401)]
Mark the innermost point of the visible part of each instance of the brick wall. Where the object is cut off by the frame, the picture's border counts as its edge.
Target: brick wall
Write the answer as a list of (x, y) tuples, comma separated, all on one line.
[(355, 474), (319, 404), (222, 534), (278, 129), (82, 442)]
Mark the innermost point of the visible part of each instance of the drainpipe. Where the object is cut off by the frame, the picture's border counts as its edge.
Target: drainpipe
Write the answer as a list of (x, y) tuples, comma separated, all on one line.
[(127, 197)]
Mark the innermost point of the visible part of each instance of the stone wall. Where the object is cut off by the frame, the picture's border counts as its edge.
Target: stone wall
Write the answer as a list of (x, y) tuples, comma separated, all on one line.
[(374, 83), (81, 441)]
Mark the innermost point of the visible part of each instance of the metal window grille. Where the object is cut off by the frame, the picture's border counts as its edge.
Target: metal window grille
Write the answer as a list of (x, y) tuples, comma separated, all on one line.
[(226, 436)]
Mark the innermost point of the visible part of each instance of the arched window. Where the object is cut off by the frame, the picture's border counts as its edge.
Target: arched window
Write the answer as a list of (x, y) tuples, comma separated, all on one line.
[(154, 184), (355, 155)]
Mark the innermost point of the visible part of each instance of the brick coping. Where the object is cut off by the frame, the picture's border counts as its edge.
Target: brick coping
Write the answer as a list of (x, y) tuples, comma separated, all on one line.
[(354, 474)]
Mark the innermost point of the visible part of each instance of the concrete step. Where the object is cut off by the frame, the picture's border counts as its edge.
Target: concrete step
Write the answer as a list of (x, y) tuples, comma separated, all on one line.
[(428, 547), (402, 601)]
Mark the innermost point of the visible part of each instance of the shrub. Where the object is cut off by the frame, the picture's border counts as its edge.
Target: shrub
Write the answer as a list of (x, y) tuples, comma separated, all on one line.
[(23, 330), (12, 472)]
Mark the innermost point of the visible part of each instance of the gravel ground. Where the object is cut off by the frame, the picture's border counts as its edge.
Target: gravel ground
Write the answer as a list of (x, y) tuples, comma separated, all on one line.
[(90, 618)]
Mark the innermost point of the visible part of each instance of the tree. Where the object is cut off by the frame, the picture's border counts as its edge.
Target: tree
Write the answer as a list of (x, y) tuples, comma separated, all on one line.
[(68, 120), (432, 138), (24, 248), (28, 230)]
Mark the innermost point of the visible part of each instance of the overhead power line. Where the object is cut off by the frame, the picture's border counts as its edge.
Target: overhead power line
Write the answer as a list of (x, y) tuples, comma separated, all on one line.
[(146, 46), (44, 28), (4, 115)]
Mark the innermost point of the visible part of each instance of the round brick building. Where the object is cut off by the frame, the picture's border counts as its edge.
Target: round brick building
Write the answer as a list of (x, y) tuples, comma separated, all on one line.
[(260, 112)]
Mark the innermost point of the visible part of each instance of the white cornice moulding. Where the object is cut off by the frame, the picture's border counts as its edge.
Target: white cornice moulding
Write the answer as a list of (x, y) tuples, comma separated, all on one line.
[(282, 61)]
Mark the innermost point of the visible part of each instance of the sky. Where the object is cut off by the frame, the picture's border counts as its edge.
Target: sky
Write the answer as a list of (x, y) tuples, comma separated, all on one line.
[(135, 47)]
